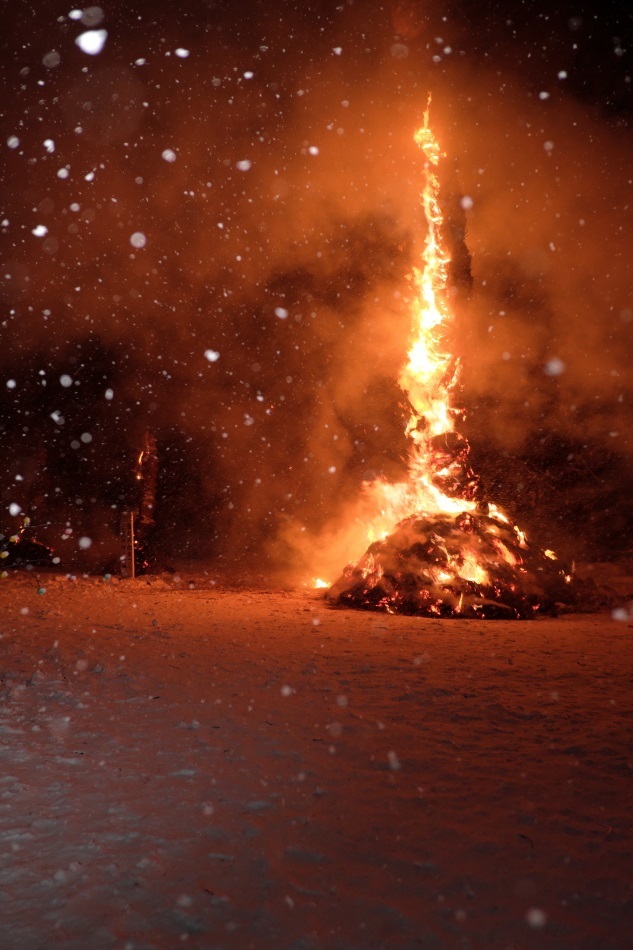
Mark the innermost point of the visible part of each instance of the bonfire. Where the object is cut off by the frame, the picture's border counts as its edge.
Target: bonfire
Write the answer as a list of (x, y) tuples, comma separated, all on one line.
[(441, 548)]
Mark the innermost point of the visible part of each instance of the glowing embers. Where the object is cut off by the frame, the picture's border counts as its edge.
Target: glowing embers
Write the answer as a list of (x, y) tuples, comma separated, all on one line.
[(463, 565)]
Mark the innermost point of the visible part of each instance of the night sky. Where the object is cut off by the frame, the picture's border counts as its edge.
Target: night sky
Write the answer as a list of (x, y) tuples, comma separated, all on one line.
[(207, 229)]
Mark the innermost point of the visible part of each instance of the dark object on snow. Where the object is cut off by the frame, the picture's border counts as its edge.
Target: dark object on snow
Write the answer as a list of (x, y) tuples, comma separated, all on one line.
[(137, 522), (465, 565), (23, 550)]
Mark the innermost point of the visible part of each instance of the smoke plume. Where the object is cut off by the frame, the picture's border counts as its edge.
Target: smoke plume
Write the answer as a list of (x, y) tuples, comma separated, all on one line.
[(207, 231)]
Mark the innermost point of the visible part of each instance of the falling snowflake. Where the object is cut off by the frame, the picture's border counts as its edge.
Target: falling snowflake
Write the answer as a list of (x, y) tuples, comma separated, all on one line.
[(92, 41)]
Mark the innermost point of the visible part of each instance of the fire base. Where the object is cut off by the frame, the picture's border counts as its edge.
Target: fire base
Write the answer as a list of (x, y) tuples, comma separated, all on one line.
[(467, 565)]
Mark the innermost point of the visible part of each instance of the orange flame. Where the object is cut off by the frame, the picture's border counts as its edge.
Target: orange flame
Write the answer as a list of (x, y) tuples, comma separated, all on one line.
[(446, 550), (430, 374), (428, 379)]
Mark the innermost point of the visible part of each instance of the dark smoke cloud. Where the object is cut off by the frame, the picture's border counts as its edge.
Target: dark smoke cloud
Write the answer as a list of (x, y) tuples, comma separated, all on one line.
[(272, 176)]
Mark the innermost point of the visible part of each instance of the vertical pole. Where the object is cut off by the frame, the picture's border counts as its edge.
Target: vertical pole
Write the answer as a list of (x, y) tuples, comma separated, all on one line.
[(127, 543), (130, 552)]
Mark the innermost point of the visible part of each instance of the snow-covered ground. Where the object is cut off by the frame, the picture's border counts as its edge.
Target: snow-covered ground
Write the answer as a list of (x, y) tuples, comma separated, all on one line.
[(187, 764)]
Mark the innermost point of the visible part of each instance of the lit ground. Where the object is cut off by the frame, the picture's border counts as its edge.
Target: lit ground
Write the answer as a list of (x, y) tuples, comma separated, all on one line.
[(187, 765)]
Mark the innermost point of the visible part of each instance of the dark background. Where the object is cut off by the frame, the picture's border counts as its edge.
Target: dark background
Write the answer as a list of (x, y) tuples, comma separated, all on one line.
[(533, 109)]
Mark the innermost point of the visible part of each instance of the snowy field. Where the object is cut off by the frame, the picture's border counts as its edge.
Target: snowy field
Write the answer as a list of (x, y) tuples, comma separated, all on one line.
[(184, 764)]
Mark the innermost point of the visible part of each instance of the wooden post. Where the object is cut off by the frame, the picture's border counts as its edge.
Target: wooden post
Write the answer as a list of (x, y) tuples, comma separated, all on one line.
[(128, 567)]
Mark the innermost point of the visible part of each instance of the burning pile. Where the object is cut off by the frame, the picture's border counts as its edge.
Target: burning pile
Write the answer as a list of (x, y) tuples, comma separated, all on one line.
[(466, 565), (443, 549)]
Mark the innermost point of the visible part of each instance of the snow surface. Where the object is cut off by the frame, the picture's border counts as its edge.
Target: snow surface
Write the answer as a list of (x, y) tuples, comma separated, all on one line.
[(188, 764)]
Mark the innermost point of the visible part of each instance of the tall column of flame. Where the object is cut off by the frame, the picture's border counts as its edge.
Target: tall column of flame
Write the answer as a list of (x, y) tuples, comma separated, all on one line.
[(430, 374)]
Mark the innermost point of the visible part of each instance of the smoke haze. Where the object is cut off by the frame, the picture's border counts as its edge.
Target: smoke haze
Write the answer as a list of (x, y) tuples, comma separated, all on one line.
[(207, 231)]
